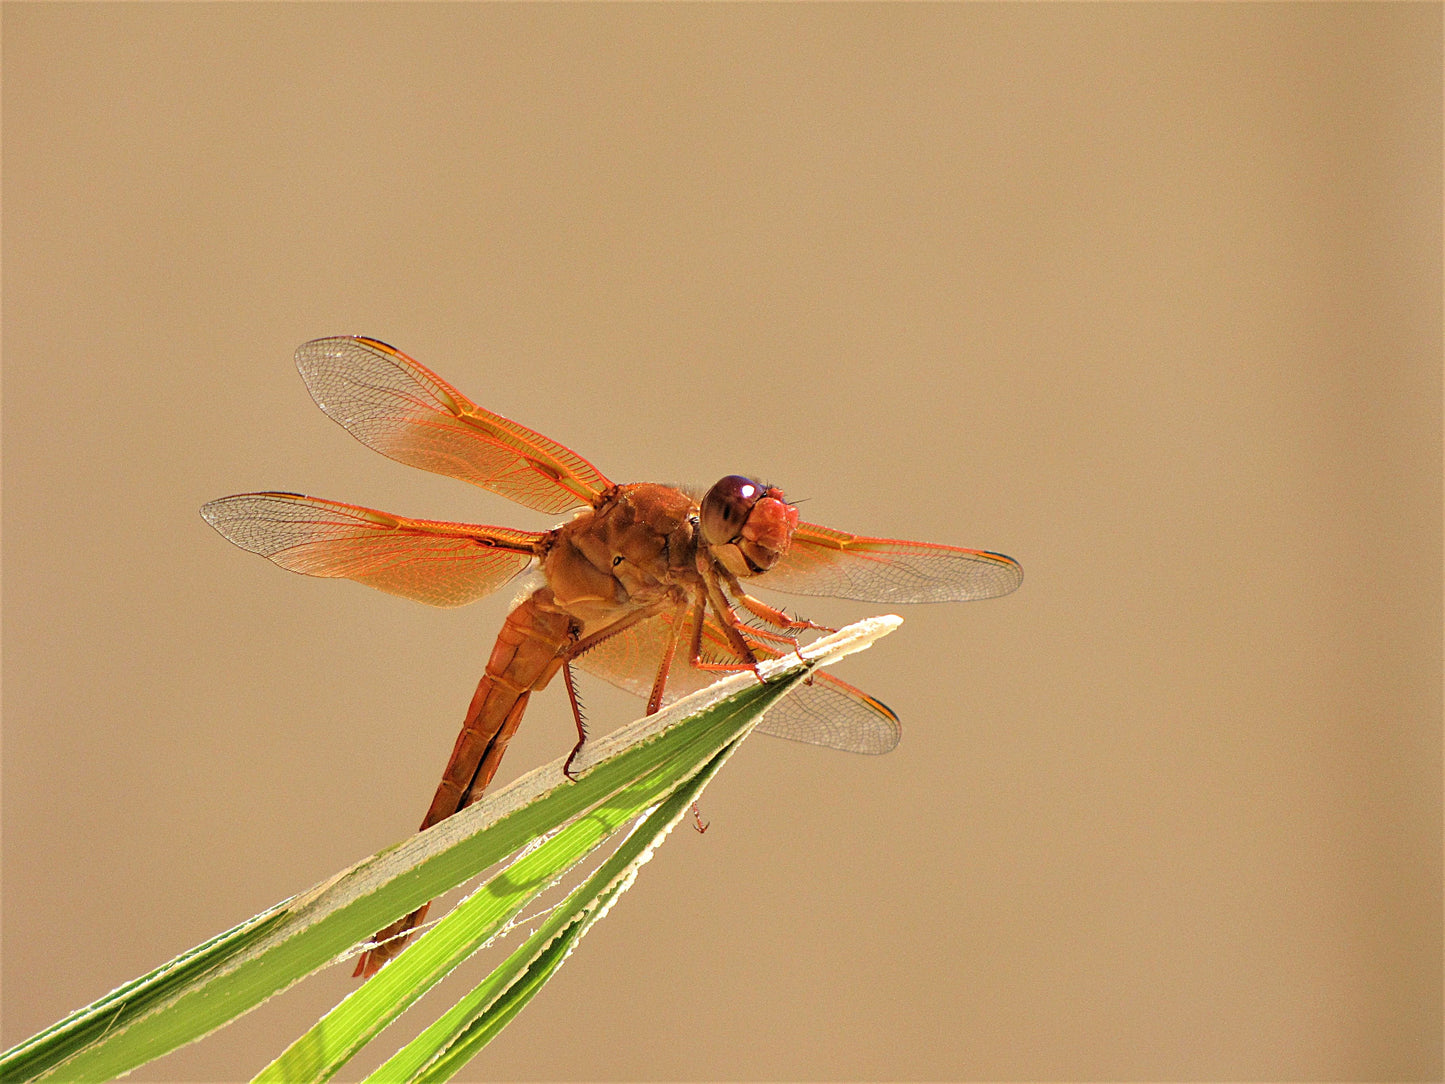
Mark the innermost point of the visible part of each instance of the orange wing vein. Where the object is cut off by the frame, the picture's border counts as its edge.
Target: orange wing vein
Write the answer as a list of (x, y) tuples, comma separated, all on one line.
[(828, 712), (402, 409), (822, 561), (443, 564)]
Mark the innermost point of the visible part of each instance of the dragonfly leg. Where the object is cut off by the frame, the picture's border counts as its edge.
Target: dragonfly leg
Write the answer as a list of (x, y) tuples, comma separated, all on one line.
[(771, 614), (659, 683), (728, 618), (583, 644), (576, 717)]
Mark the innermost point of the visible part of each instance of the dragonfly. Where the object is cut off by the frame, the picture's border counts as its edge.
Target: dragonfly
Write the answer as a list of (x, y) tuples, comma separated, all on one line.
[(646, 586)]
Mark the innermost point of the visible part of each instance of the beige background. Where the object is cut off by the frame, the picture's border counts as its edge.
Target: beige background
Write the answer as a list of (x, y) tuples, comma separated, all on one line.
[(1148, 297)]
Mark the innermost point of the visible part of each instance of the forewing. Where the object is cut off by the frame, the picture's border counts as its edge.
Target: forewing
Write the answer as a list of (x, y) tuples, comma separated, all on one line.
[(827, 712), (404, 410), (822, 561), (443, 564)]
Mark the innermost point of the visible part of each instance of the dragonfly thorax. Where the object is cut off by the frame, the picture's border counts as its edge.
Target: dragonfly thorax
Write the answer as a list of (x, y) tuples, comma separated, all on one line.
[(635, 546)]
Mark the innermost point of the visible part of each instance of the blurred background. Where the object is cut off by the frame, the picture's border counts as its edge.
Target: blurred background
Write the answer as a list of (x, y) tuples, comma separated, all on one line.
[(1148, 297)]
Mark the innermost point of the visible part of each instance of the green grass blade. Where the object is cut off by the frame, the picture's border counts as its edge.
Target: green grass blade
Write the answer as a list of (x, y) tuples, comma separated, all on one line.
[(454, 1039), (118, 1009), (210, 985), (327, 1046)]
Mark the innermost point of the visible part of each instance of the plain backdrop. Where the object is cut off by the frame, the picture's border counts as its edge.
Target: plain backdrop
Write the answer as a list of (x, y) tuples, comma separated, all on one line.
[(1148, 297)]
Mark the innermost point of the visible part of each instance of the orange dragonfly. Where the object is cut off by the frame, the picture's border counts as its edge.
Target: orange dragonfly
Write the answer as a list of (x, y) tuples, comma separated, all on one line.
[(641, 587)]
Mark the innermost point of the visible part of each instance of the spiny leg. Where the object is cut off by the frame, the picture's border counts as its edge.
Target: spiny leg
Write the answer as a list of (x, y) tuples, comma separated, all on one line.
[(659, 683), (787, 643), (730, 624), (699, 622), (577, 718), (586, 643), (774, 617), (771, 614)]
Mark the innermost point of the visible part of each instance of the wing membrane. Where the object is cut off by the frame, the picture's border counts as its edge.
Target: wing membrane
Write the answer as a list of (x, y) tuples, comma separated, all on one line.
[(442, 564), (828, 712), (834, 714), (822, 561), (402, 409)]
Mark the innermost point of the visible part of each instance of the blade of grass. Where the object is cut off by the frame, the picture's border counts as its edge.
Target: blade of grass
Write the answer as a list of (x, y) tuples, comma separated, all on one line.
[(331, 1042), (441, 1050), (232, 973), (118, 1009)]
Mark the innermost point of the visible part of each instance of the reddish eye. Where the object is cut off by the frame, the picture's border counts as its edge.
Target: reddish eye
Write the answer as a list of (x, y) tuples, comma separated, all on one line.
[(726, 507)]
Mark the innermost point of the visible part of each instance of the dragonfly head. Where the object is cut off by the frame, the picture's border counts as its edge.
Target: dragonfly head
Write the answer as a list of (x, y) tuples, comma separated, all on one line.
[(747, 525)]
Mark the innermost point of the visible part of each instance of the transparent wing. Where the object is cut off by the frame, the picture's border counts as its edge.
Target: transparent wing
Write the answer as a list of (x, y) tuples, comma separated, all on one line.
[(402, 409), (822, 561), (442, 564), (828, 712), (833, 713)]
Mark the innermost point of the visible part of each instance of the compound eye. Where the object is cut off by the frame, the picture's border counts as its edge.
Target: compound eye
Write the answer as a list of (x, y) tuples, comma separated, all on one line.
[(726, 507)]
